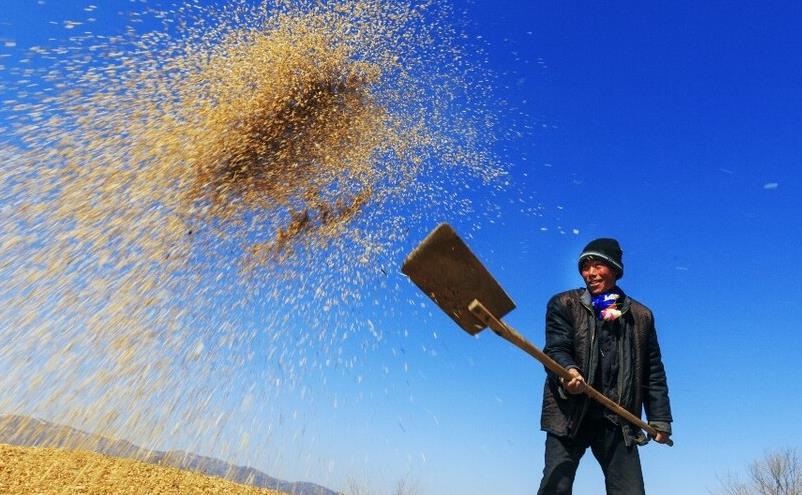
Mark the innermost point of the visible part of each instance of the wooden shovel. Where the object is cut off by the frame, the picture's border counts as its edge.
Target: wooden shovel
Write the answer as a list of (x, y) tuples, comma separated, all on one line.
[(446, 270)]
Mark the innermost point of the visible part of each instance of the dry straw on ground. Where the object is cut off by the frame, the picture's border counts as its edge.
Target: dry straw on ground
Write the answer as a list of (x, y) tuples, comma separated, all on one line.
[(41, 471), (189, 216)]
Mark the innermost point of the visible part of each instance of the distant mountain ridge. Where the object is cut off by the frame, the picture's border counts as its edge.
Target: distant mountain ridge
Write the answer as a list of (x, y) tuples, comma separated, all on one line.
[(25, 431)]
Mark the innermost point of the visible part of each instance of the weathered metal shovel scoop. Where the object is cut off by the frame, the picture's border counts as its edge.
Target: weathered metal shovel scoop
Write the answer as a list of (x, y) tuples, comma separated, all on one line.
[(446, 270)]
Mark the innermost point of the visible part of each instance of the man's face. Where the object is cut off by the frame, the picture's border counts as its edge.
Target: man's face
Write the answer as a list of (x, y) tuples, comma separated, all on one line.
[(598, 277)]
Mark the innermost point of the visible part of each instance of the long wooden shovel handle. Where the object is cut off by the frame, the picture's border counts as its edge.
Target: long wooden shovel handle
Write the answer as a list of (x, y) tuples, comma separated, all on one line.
[(508, 333)]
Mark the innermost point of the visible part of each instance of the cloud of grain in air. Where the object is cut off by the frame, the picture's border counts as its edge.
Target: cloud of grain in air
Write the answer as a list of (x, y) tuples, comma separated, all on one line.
[(218, 196)]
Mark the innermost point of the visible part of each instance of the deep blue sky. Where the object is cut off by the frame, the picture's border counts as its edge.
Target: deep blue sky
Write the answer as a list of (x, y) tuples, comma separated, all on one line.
[(672, 126)]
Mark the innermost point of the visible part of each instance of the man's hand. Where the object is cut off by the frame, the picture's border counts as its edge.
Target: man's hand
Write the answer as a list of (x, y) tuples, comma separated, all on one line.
[(576, 385), (662, 437)]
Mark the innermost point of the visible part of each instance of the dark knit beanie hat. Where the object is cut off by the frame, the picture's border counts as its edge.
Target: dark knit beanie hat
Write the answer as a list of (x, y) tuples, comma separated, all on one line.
[(607, 251)]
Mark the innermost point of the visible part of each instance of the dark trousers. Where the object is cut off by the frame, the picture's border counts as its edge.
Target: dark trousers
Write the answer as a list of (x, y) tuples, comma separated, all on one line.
[(620, 464)]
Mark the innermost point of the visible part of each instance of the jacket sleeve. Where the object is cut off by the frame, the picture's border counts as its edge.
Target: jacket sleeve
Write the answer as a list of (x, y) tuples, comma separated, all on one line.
[(559, 336), (656, 403)]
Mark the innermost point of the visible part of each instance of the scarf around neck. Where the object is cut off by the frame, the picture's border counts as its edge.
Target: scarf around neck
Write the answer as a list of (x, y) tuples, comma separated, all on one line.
[(607, 305)]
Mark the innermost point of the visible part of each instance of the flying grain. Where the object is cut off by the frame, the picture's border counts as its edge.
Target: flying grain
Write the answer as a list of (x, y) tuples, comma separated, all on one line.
[(191, 215)]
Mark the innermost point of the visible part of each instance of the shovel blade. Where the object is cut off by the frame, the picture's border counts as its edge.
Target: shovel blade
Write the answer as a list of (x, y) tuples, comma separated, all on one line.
[(446, 270)]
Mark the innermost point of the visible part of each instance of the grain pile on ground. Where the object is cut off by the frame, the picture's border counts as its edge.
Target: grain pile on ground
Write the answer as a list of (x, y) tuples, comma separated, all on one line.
[(40, 471), (190, 216)]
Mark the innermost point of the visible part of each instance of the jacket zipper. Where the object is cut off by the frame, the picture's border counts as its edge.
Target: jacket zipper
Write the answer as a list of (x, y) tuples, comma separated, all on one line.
[(620, 354), (589, 363)]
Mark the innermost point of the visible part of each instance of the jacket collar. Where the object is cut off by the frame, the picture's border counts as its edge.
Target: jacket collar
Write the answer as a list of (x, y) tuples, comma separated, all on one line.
[(586, 299)]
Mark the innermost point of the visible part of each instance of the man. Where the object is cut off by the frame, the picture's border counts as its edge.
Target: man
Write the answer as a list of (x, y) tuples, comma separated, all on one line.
[(607, 339)]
